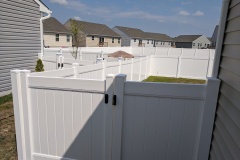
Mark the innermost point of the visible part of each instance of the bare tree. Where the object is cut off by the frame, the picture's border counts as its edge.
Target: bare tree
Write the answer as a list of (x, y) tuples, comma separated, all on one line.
[(75, 29)]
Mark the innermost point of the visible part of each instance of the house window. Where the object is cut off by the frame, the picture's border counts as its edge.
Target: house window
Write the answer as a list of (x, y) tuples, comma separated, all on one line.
[(148, 42), (193, 44), (68, 38), (57, 37), (93, 38), (112, 40), (134, 40), (161, 43), (118, 40)]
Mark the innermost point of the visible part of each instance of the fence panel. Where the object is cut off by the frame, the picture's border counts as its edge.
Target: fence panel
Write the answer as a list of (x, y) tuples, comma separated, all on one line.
[(70, 118), (164, 121)]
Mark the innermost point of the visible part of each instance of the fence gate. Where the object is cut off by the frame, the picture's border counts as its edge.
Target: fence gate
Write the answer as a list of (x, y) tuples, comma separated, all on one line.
[(59, 118)]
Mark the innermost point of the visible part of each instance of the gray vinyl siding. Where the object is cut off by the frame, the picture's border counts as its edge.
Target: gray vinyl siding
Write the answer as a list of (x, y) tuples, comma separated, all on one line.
[(126, 40), (20, 38), (226, 135)]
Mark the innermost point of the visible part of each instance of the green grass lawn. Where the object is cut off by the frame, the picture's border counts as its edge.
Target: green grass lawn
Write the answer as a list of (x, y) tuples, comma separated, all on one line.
[(8, 150), (174, 80)]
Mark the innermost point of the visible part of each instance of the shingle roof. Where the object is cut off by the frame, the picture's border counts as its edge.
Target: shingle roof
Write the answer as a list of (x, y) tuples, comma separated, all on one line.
[(53, 25), (187, 38), (132, 32), (94, 29), (158, 36)]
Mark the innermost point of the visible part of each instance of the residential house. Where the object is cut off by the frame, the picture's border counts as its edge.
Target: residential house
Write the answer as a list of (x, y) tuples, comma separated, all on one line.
[(214, 36), (20, 37), (225, 138), (96, 35), (192, 41), (132, 37), (56, 34), (159, 40)]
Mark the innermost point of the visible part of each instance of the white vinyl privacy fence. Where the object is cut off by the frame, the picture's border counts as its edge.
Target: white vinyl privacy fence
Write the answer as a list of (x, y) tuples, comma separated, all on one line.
[(139, 68), (111, 119), (91, 53)]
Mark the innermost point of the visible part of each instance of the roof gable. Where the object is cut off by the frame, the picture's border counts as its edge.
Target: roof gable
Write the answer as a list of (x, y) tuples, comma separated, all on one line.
[(158, 36), (187, 38), (89, 28), (53, 25), (131, 32)]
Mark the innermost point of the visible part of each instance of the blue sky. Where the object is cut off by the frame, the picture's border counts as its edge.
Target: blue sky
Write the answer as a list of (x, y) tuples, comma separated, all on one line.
[(172, 17)]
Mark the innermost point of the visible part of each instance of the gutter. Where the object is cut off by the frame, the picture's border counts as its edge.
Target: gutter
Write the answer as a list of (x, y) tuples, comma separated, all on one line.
[(43, 9), (220, 37)]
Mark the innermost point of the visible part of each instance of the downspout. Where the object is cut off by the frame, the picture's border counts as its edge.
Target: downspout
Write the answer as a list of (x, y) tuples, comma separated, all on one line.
[(41, 31)]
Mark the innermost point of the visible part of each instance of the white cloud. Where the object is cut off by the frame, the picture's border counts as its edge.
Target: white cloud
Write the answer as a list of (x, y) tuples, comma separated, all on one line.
[(198, 13), (63, 2), (77, 18), (183, 13), (141, 15)]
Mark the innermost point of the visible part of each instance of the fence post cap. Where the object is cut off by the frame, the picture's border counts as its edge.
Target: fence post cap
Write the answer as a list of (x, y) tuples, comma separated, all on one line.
[(75, 64), (213, 80), (25, 71), (121, 76), (110, 76), (16, 71)]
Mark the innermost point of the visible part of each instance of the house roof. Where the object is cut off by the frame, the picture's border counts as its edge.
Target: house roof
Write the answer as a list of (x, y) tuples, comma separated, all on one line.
[(54, 26), (132, 32), (90, 28), (158, 36), (187, 38)]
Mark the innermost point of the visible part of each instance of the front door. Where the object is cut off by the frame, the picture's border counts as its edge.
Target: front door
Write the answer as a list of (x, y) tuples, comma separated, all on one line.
[(101, 40)]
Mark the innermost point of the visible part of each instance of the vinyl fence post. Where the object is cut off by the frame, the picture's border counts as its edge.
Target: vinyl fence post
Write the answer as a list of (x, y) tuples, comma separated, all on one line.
[(103, 69), (21, 116), (75, 69), (119, 84), (119, 64), (108, 117), (80, 54), (179, 64), (208, 118), (40, 56), (146, 67), (140, 70), (132, 69), (208, 62)]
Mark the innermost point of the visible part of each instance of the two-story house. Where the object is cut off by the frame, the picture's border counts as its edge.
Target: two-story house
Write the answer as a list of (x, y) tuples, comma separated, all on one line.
[(56, 34), (192, 41), (96, 35), (131, 36), (158, 39)]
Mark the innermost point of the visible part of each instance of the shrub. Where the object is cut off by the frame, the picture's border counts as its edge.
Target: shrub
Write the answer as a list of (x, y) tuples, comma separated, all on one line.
[(39, 67)]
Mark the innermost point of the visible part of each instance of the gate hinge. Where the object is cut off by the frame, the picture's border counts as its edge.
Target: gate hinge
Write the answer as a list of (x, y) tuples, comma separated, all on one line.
[(106, 98)]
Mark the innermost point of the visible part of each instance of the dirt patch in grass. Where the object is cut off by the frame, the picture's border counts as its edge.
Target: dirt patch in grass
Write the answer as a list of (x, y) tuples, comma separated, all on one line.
[(8, 150), (174, 80)]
